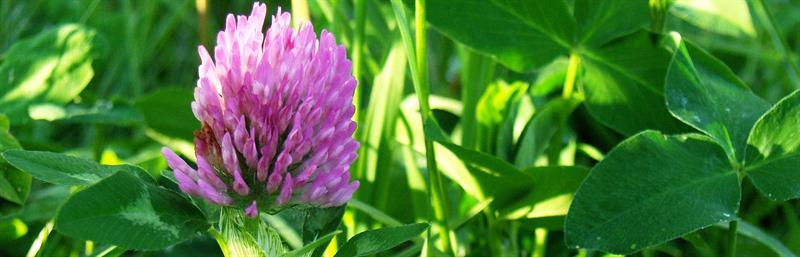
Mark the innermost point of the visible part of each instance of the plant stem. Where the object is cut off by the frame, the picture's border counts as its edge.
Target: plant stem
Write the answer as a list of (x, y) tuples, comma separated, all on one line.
[(358, 51), (792, 70), (572, 72), (732, 227), (541, 242), (41, 239), (657, 15)]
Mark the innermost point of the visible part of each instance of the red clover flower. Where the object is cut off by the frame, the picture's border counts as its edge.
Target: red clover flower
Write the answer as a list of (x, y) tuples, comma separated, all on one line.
[(276, 113)]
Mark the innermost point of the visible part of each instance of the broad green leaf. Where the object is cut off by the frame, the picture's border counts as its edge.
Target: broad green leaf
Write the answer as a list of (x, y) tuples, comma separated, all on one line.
[(524, 34), (549, 195), (704, 93), (541, 129), (14, 184), (51, 67), (726, 17), (624, 84), (62, 169), (308, 248), (772, 156), (379, 240), (652, 188), (124, 210), (176, 102), (494, 104)]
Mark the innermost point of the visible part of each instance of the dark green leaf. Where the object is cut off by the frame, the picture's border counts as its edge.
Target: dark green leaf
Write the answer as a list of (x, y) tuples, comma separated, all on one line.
[(52, 67), (379, 240), (624, 83), (527, 34), (704, 93), (14, 184), (772, 156), (125, 211), (652, 188), (174, 101)]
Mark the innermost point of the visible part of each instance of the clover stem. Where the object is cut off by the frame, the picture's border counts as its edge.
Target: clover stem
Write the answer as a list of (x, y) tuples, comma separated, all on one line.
[(572, 72), (438, 199), (732, 227)]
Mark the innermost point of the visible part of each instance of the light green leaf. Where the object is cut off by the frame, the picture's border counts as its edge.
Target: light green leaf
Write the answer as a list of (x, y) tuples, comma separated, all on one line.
[(704, 93), (52, 67), (549, 195), (541, 129), (487, 176), (652, 188), (527, 34), (379, 240), (726, 17), (772, 156), (108, 113), (498, 98), (124, 210)]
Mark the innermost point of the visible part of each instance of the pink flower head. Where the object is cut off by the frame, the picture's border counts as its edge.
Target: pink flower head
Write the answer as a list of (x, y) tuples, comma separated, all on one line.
[(276, 113)]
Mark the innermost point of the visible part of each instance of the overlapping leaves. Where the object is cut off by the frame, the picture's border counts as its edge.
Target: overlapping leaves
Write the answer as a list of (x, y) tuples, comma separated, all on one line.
[(623, 69), (652, 188)]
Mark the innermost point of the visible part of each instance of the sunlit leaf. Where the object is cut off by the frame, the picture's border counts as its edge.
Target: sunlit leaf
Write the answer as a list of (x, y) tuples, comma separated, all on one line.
[(772, 156), (52, 67), (726, 17)]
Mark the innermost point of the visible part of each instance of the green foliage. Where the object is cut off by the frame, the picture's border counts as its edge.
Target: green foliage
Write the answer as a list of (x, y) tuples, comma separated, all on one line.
[(772, 152), (52, 67), (14, 183), (727, 17), (527, 34), (378, 240), (176, 101), (652, 188), (497, 99), (704, 93), (126, 211), (58, 168)]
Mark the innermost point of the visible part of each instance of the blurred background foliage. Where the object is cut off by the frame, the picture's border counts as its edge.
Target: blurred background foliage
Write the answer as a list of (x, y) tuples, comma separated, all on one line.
[(112, 81)]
